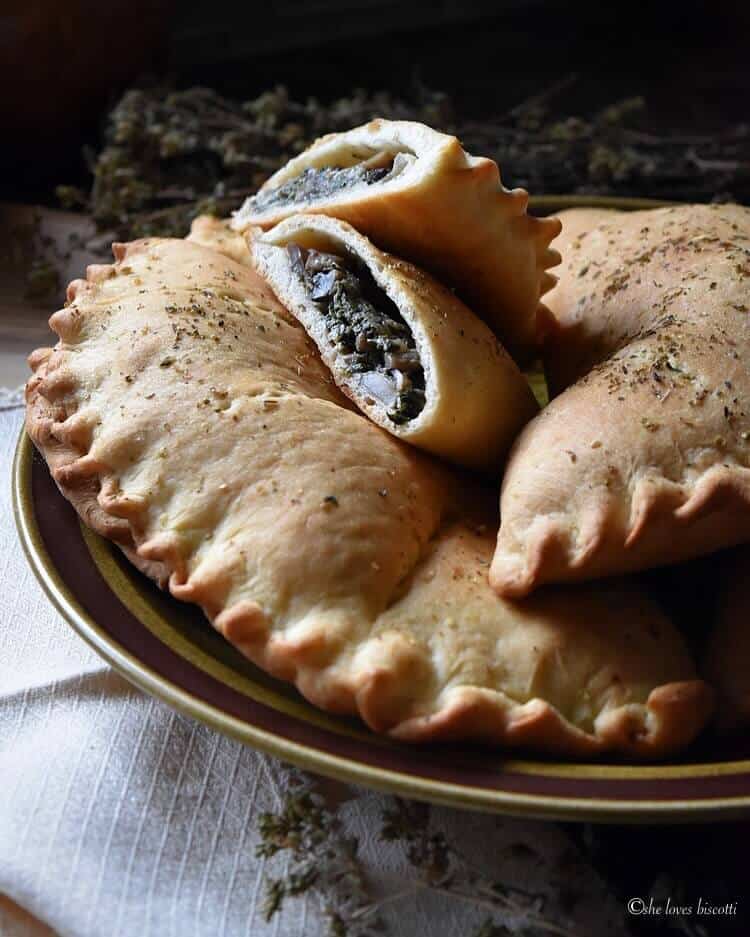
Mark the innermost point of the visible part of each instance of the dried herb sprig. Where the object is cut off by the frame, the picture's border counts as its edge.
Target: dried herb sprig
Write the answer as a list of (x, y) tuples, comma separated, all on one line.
[(322, 859), (171, 155), (609, 153), (443, 869), (29, 250)]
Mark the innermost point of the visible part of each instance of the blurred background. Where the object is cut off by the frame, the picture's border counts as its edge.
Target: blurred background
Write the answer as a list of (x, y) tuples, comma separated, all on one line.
[(63, 66)]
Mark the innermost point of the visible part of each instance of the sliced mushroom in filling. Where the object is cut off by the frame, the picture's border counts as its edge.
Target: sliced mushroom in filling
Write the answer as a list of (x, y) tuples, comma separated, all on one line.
[(375, 347), (312, 184)]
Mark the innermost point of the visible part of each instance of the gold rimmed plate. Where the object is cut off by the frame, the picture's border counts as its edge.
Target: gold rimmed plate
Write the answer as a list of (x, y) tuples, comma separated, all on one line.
[(168, 649)]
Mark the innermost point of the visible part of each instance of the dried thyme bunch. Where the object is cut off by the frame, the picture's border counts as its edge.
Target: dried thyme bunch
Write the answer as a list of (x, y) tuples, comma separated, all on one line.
[(443, 869), (169, 156), (27, 248), (322, 859), (324, 862), (609, 154)]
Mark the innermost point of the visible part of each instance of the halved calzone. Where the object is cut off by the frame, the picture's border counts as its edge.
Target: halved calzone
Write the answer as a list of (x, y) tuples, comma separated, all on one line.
[(188, 417), (728, 653), (417, 193), (644, 460), (403, 347)]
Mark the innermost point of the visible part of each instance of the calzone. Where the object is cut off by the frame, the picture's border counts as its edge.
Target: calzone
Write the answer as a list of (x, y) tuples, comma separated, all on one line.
[(188, 417), (416, 192), (404, 348), (643, 457)]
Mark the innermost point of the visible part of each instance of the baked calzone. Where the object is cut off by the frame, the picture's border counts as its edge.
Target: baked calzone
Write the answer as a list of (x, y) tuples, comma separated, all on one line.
[(643, 459), (188, 417), (404, 348), (416, 192)]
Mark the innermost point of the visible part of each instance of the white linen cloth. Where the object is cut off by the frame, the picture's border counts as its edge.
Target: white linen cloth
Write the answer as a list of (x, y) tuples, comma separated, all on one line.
[(121, 817)]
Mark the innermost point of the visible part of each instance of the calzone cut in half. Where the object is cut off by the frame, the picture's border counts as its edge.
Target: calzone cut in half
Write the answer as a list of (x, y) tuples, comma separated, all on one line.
[(404, 348), (416, 192), (188, 417), (643, 457)]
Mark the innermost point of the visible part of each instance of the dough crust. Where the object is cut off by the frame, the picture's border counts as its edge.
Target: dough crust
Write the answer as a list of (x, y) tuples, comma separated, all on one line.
[(476, 398), (446, 211), (188, 417), (643, 459), (217, 234)]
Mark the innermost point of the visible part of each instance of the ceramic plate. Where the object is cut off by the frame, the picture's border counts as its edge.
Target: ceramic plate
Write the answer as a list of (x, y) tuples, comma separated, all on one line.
[(168, 649)]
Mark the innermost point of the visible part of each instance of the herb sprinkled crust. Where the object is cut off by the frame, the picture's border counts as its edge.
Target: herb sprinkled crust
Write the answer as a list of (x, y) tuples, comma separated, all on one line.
[(406, 350), (187, 417), (417, 193), (644, 457)]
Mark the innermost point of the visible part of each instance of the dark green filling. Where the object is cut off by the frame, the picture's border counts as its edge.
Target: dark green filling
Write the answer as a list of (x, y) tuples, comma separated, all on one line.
[(314, 184), (369, 333)]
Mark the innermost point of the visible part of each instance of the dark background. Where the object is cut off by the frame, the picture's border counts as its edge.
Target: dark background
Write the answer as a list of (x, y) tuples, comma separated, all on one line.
[(62, 66)]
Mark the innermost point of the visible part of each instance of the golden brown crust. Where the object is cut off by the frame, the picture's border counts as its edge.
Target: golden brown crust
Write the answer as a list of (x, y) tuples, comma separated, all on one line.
[(671, 718), (644, 459), (446, 211), (185, 415), (620, 677), (47, 426)]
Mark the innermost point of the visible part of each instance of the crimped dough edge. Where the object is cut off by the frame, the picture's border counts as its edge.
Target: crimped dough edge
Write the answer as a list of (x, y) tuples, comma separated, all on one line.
[(494, 220), (671, 716)]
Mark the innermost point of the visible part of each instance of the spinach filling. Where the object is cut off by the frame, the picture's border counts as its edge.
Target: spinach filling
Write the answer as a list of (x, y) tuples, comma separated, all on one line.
[(374, 344), (314, 184)]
